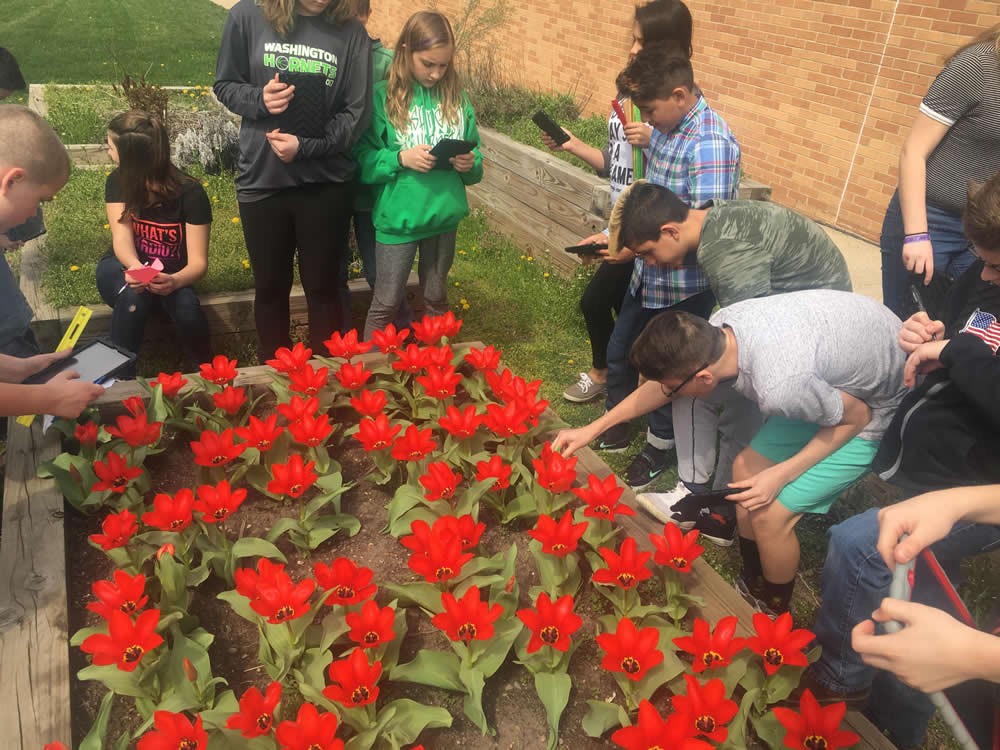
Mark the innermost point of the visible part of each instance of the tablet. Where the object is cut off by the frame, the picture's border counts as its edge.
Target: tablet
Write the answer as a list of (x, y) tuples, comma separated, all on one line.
[(449, 147), (96, 361)]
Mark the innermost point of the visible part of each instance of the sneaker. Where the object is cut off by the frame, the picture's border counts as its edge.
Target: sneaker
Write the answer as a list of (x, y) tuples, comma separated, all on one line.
[(585, 389), (750, 598), (714, 526), (855, 699), (663, 506), (645, 467), (614, 439)]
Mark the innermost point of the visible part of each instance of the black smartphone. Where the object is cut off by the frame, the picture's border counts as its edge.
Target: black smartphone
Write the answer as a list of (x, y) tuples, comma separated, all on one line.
[(33, 227), (590, 248), (449, 147), (96, 361), (550, 127)]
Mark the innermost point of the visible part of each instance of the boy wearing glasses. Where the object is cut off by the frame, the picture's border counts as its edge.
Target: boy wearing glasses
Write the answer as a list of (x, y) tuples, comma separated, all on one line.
[(824, 369)]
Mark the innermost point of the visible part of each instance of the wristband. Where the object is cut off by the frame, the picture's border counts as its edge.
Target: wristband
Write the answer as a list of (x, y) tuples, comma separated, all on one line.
[(911, 238)]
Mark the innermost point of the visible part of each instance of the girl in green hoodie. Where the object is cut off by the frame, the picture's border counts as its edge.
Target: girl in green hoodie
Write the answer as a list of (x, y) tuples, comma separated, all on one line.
[(421, 199)]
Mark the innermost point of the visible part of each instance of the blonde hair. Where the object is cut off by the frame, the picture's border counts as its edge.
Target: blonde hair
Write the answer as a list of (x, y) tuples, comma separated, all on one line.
[(424, 30), (29, 142), (989, 35), (281, 13)]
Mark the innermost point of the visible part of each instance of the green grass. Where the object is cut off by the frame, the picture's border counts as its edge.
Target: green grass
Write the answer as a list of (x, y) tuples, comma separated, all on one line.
[(86, 41)]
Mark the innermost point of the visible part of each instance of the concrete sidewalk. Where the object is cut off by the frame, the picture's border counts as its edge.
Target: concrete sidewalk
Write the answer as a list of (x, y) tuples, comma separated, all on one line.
[(863, 260)]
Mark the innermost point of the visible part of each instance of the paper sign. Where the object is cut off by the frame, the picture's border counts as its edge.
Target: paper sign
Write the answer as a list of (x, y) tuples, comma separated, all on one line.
[(147, 273)]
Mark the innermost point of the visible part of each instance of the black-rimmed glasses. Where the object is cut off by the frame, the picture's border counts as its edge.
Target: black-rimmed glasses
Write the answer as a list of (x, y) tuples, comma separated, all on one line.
[(671, 392)]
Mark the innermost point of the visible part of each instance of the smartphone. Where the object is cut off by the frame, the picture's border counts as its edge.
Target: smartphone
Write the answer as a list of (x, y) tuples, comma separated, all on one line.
[(33, 227), (96, 361), (550, 127), (590, 248)]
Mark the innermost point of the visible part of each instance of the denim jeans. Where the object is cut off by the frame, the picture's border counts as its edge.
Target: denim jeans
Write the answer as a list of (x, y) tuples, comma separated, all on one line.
[(622, 377), (393, 263), (131, 310), (951, 252), (854, 582)]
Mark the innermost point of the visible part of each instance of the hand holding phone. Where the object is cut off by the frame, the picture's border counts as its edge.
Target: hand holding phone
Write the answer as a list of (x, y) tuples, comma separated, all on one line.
[(592, 249), (550, 127)]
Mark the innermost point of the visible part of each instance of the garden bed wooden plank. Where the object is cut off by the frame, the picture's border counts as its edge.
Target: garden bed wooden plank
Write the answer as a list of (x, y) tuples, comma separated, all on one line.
[(34, 698)]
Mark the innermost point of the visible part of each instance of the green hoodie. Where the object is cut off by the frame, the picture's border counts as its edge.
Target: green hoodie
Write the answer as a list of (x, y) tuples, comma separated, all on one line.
[(415, 205)]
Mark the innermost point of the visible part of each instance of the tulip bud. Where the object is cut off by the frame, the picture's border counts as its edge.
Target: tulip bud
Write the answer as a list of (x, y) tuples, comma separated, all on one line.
[(189, 670), (166, 549)]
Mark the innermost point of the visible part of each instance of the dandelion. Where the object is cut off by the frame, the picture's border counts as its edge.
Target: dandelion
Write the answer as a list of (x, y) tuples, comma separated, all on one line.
[(107, 226), (457, 284), (524, 257), (204, 183), (531, 258), (74, 268), (463, 301), (235, 220), (465, 305), (162, 65), (107, 174), (194, 108), (461, 252), (215, 199), (246, 263), (545, 275), (570, 361)]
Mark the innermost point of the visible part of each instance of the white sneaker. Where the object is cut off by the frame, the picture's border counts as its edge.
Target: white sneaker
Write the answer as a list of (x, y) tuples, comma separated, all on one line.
[(584, 390), (661, 504)]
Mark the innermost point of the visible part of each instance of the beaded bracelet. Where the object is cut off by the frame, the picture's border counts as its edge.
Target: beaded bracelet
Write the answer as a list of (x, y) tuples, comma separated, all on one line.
[(911, 238)]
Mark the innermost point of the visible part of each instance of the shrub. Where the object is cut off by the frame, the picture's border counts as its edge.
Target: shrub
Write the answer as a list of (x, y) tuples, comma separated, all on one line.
[(214, 145)]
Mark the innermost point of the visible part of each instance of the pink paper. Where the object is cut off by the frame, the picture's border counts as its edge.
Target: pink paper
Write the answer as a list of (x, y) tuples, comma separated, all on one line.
[(147, 273)]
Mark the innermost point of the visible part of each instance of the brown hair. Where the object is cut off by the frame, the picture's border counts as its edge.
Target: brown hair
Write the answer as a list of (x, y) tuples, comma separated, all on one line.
[(666, 23), (281, 13), (674, 344), (654, 74), (991, 34), (981, 219), (29, 142), (423, 31), (148, 177)]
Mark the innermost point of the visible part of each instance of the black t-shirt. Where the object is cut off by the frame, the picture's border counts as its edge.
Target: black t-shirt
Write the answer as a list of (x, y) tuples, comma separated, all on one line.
[(159, 231)]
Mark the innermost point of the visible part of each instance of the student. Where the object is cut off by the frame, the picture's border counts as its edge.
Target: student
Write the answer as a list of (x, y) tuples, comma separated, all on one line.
[(946, 434), (156, 212), (746, 249), (822, 367), (34, 166), (955, 138), (665, 24), (299, 74), (698, 159), (421, 199)]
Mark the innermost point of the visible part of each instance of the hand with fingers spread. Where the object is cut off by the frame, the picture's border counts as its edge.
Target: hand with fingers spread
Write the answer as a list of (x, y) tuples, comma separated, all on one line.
[(277, 95), (922, 360), (418, 158), (919, 329), (761, 489), (284, 145), (918, 257)]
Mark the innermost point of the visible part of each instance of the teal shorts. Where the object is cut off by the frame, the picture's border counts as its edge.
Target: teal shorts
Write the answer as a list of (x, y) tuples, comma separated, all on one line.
[(815, 490)]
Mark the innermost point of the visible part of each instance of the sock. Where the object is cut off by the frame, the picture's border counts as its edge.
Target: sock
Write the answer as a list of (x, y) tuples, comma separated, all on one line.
[(753, 573), (778, 596)]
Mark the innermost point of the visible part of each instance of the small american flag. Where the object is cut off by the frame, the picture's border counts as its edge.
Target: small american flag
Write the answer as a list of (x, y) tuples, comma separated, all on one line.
[(985, 326)]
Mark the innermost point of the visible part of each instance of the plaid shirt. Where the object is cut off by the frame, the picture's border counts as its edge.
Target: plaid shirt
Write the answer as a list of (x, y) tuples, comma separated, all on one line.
[(699, 161)]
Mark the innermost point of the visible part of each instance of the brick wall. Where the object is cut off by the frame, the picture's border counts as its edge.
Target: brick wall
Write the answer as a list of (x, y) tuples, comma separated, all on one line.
[(820, 94)]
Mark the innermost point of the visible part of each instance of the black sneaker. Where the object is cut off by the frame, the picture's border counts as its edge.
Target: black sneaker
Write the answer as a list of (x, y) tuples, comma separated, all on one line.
[(645, 467), (855, 699), (750, 597), (614, 439), (716, 527)]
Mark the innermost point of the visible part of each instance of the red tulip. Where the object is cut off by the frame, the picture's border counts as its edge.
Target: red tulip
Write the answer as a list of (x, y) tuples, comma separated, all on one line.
[(288, 361), (311, 730), (311, 430), (172, 731), (125, 594), (815, 726), (126, 642), (256, 714), (443, 561), (675, 549), (355, 681), (260, 434), (431, 330), (220, 370), (711, 650), (440, 382), (170, 513), (626, 568), (292, 478), (414, 444), (388, 340), (283, 600), (461, 423), (347, 345), (86, 434), (115, 474), (509, 387), (506, 421), (550, 624), (440, 481), (369, 403), (217, 503), (372, 626), (630, 651), (777, 643), (554, 472), (216, 448), (267, 575), (411, 359), (558, 539), (135, 431), (134, 405), (347, 582), (309, 381), (469, 618), (602, 498), (376, 434), (485, 359), (495, 468), (298, 407), (352, 377), (464, 528), (170, 384), (60, 746), (439, 356), (118, 529), (165, 549), (706, 708), (652, 732), (230, 400)]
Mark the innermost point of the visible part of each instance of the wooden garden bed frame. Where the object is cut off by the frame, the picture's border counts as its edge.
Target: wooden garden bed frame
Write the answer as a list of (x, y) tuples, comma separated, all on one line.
[(34, 636)]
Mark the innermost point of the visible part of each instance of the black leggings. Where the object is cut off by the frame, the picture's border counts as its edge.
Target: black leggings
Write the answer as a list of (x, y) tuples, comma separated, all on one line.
[(314, 220), (603, 296)]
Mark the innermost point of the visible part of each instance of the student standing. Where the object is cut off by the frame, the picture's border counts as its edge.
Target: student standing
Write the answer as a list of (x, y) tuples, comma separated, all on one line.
[(299, 74), (421, 198)]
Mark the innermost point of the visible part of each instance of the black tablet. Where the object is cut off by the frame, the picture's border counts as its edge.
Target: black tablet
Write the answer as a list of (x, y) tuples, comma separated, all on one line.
[(96, 361), (449, 147)]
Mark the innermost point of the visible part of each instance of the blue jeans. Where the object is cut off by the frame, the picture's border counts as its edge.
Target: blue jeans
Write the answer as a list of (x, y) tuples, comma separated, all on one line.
[(622, 377), (854, 582), (951, 252)]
